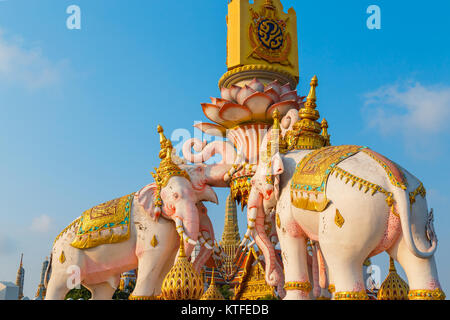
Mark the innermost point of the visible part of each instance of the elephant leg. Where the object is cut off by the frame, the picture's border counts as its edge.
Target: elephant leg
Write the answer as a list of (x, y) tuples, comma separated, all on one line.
[(422, 273), (101, 291), (346, 273), (57, 287), (295, 263)]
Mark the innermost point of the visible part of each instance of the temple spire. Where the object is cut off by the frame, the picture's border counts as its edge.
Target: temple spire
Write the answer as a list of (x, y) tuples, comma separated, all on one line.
[(20, 278), (230, 237)]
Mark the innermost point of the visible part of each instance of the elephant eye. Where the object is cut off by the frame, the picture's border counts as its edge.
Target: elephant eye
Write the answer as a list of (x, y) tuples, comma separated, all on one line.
[(176, 195)]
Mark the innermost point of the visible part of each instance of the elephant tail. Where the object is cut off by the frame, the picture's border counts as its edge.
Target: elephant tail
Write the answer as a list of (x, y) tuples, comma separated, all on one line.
[(404, 211), (48, 271)]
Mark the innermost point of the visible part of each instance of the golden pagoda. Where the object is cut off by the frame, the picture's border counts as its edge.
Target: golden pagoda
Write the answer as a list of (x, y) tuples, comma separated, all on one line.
[(308, 133), (393, 287), (182, 282), (213, 292)]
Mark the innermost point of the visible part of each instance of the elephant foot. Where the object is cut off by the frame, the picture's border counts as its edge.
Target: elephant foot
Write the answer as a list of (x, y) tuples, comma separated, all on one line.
[(351, 295), (296, 290)]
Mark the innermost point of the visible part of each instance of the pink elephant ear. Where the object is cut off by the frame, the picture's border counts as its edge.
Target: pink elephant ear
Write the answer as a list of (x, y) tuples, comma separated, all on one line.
[(277, 164), (146, 198)]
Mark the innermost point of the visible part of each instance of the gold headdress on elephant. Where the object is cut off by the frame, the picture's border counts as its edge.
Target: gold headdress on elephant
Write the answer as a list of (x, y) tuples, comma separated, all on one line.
[(167, 168)]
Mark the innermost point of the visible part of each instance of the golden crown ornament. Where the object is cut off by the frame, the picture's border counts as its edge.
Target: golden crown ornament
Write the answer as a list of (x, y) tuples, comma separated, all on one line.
[(167, 169)]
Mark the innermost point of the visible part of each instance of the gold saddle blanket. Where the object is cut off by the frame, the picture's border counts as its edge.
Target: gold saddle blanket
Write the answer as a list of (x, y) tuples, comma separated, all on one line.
[(308, 186), (310, 177), (106, 223)]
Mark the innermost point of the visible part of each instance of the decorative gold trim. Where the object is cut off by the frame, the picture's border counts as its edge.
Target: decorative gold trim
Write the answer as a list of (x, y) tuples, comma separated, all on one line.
[(277, 220), (349, 295), (374, 188), (141, 298), (154, 242), (387, 169), (331, 288), (298, 285), (419, 191), (436, 294), (339, 219), (257, 67)]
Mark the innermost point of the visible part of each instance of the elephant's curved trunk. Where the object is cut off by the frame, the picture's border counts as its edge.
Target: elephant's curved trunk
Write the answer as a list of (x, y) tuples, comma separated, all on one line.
[(405, 214), (206, 151), (274, 274)]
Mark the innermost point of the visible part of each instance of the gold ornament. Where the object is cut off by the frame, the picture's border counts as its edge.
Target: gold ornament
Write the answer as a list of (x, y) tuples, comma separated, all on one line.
[(297, 285), (62, 257), (339, 219), (436, 294), (331, 288), (154, 242), (349, 295), (167, 168), (393, 287), (182, 282), (277, 220), (419, 191)]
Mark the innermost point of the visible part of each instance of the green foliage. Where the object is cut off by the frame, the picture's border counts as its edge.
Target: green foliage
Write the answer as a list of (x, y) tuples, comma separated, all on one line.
[(226, 291), (77, 294)]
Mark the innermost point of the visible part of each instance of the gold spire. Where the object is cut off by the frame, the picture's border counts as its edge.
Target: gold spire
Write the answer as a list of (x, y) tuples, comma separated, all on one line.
[(393, 287), (307, 133), (167, 168), (230, 236), (213, 292), (182, 282)]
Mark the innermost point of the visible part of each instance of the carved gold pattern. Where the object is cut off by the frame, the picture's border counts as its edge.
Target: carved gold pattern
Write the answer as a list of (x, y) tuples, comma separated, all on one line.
[(268, 36), (339, 219), (436, 294), (106, 223), (182, 282), (298, 285), (252, 284), (349, 295), (393, 287)]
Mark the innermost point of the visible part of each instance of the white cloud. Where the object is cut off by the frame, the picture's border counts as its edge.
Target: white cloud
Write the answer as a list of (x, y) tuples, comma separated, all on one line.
[(26, 66), (41, 224), (413, 112)]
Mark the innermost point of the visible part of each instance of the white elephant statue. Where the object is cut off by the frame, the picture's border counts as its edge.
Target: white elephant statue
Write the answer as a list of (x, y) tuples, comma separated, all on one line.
[(152, 239), (367, 205)]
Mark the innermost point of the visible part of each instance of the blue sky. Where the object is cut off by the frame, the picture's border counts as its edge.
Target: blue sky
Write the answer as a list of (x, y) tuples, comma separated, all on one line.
[(79, 108)]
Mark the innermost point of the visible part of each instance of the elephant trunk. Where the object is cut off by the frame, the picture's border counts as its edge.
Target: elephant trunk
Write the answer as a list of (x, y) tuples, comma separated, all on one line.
[(188, 227), (273, 273)]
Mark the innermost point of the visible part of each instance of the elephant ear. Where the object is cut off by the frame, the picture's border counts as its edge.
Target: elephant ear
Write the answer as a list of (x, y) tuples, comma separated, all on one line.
[(146, 198)]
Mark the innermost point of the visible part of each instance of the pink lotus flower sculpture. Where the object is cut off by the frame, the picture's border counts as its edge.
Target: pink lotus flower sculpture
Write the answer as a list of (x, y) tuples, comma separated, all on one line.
[(243, 114)]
